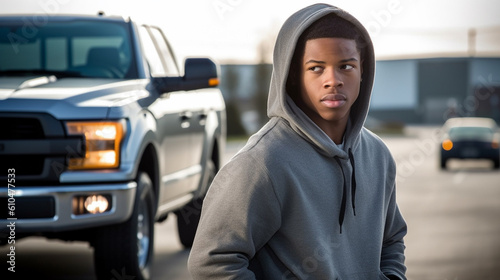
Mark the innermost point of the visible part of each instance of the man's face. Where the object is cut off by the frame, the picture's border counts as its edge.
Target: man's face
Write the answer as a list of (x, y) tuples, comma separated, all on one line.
[(330, 80)]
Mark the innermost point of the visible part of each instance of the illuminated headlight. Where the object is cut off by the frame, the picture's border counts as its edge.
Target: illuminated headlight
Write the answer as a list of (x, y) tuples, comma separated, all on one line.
[(102, 144), (92, 204)]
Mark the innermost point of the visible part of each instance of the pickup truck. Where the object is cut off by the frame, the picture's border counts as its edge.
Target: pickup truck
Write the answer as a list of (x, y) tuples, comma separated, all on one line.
[(102, 134)]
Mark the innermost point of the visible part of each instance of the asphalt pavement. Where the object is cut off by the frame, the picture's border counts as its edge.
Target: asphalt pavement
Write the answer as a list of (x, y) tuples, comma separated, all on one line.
[(452, 216)]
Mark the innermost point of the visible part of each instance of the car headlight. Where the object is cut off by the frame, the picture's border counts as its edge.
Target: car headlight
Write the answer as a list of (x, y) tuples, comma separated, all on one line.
[(102, 144)]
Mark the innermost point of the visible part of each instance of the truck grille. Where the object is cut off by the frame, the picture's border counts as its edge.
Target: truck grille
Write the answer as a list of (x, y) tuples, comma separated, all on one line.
[(24, 165), (20, 128), (45, 137)]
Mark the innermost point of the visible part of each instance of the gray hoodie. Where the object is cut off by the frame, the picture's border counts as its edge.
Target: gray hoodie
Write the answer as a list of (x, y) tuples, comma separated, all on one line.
[(294, 205)]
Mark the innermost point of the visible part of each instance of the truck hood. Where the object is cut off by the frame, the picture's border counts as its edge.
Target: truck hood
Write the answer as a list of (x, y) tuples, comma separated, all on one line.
[(68, 98)]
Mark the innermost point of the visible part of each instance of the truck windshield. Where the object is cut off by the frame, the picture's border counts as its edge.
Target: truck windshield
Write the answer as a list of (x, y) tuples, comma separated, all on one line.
[(76, 48)]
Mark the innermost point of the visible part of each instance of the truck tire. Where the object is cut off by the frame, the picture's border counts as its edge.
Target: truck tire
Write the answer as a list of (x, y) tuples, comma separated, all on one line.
[(188, 217), (443, 163), (126, 250)]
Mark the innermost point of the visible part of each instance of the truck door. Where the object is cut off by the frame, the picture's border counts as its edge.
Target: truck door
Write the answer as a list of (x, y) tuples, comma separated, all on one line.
[(174, 123)]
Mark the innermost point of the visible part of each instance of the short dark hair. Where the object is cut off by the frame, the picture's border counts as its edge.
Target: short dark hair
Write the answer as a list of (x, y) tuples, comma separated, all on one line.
[(329, 26)]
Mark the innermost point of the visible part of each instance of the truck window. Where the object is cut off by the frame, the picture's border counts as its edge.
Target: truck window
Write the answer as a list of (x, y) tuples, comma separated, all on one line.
[(153, 58), (168, 58), (56, 49), (17, 52), (66, 47)]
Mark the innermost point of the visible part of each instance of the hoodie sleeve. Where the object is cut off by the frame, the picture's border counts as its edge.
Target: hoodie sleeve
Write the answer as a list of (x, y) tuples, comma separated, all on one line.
[(240, 214), (393, 258)]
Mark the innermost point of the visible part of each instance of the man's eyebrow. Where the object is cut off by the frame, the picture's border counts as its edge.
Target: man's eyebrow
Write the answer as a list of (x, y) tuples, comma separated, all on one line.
[(323, 62), (315, 61), (348, 60)]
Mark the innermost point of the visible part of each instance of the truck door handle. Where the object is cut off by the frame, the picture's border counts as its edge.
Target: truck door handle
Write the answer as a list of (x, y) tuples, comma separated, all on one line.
[(203, 118), (185, 116)]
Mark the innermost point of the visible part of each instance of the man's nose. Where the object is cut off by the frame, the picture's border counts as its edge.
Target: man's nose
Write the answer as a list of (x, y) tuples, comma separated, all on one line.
[(333, 79)]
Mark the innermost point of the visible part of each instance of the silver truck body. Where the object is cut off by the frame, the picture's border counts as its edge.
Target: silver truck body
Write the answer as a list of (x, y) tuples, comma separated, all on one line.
[(173, 131)]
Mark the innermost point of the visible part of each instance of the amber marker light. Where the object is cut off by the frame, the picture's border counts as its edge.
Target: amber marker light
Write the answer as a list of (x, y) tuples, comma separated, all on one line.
[(102, 144), (213, 82), (447, 145)]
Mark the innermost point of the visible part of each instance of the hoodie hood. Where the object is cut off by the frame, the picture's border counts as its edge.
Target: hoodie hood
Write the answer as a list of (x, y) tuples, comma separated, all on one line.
[(281, 105)]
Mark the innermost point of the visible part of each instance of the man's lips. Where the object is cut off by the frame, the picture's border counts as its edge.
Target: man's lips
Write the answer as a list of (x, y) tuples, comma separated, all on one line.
[(334, 100)]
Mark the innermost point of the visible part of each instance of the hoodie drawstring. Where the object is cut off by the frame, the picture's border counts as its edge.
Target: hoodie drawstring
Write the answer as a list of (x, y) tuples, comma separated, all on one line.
[(344, 190), (353, 184)]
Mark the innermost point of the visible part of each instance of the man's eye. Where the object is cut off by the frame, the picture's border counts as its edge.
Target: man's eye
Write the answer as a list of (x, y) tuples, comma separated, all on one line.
[(347, 67), (316, 68)]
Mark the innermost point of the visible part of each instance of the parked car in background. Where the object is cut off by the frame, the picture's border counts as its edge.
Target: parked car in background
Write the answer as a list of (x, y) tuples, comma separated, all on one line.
[(103, 134), (470, 138)]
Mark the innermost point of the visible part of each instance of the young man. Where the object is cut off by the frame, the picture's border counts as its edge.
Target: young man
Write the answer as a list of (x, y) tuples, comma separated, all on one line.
[(312, 194)]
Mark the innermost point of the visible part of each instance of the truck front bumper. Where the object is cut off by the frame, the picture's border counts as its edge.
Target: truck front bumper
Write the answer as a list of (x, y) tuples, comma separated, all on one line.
[(61, 201)]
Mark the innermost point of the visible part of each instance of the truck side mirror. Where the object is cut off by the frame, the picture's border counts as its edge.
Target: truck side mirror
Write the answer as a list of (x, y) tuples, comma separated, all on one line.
[(198, 73)]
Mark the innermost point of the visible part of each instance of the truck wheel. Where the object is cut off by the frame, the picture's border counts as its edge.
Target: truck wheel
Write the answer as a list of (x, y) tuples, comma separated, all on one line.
[(126, 250), (443, 163), (188, 217)]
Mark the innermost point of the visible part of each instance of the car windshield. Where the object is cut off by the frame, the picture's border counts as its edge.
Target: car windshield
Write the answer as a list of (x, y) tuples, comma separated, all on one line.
[(75, 48), (471, 133)]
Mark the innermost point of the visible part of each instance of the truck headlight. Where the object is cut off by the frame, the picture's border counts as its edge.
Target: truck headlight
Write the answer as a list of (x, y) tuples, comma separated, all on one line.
[(102, 144)]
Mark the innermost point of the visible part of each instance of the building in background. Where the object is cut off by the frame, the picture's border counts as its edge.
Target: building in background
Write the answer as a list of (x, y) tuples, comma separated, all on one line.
[(429, 91), (406, 91)]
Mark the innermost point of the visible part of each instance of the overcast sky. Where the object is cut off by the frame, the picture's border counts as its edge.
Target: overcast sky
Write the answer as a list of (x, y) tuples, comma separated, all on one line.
[(232, 30)]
